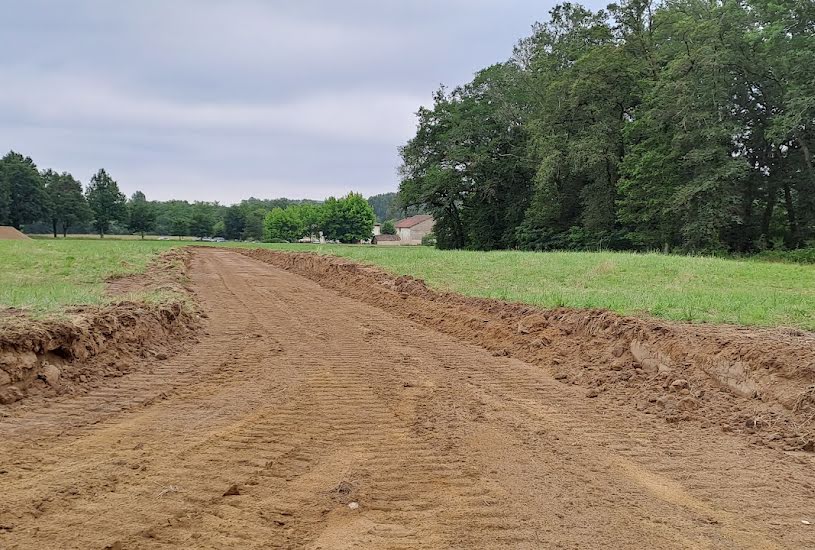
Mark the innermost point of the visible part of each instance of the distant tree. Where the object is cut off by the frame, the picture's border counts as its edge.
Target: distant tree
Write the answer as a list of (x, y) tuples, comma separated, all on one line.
[(22, 193), (253, 229), (179, 226), (219, 229), (141, 214), (349, 219), (388, 228), (283, 224), (385, 205), (234, 223), (311, 216), (202, 220), (107, 203), (66, 203)]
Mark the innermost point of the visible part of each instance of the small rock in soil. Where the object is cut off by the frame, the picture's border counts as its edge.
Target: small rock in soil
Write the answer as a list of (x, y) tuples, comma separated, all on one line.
[(51, 375), (592, 393), (679, 384), (232, 491)]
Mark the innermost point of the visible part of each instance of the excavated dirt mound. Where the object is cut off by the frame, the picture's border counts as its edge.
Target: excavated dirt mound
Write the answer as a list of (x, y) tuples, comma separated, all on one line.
[(10, 234), (754, 381), (66, 355)]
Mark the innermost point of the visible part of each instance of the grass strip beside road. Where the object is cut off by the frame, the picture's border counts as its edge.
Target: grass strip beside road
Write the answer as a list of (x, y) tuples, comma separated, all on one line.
[(42, 277), (680, 288)]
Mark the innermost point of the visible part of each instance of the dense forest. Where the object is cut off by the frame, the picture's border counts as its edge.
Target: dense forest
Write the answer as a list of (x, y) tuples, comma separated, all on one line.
[(44, 201), (682, 125)]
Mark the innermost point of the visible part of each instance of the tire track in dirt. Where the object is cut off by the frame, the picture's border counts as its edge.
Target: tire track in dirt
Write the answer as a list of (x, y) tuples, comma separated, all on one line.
[(307, 402)]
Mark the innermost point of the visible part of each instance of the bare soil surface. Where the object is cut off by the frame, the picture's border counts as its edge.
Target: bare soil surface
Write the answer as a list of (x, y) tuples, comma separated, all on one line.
[(354, 417), (8, 233), (70, 353)]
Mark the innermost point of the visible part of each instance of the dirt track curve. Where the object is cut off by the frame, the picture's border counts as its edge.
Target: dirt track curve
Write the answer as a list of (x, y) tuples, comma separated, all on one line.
[(303, 402)]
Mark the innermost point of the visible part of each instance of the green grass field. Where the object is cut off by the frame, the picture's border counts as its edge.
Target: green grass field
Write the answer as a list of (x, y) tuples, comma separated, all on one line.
[(682, 288), (43, 277)]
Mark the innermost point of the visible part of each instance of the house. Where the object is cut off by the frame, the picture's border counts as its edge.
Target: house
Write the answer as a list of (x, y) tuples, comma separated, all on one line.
[(387, 240), (412, 229), (377, 229)]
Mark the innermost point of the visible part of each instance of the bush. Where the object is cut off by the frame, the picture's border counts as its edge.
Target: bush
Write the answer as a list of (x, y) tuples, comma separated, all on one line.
[(798, 256), (388, 228), (429, 239)]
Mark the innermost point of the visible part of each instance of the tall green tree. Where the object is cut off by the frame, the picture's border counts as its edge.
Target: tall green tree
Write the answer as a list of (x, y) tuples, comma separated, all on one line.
[(388, 228), (234, 222), (283, 224), (22, 192), (107, 203), (141, 214), (202, 220), (66, 202), (349, 219), (468, 164)]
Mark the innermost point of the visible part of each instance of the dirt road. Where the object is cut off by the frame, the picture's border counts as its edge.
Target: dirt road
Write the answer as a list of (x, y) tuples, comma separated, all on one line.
[(304, 419)]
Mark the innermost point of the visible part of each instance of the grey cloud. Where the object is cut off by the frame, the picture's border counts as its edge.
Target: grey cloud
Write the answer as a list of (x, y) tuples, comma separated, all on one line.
[(215, 100)]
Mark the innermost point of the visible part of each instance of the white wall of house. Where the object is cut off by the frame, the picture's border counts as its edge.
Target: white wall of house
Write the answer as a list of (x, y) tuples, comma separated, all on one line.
[(420, 230)]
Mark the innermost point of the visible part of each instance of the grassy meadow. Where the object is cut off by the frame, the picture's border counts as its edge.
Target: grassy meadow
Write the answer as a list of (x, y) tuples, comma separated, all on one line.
[(681, 288), (44, 276)]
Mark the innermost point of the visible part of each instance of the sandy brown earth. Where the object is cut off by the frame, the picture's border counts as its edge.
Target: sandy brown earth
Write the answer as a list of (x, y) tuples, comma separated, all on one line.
[(8, 233), (310, 418)]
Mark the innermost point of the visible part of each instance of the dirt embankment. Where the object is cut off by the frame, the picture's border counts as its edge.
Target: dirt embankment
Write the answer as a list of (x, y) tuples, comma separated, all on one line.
[(65, 355), (754, 381), (8, 233)]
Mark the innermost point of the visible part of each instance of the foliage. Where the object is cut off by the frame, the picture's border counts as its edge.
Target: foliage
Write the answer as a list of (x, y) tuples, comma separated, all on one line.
[(141, 214), (683, 125), (388, 227), (66, 203), (283, 225), (106, 202), (798, 256), (22, 193), (202, 219), (348, 219)]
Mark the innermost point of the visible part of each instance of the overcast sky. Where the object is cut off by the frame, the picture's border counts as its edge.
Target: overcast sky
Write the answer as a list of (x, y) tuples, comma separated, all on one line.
[(222, 100)]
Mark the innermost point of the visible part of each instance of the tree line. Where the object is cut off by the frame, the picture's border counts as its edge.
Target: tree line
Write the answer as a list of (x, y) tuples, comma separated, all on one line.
[(682, 125), (47, 201)]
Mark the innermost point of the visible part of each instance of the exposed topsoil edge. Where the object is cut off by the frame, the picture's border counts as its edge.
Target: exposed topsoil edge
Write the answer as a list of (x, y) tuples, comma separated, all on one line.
[(755, 381), (58, 356)]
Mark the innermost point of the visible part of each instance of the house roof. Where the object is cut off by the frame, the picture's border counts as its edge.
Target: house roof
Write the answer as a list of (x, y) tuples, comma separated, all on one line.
[(387, 238), (413, 220)]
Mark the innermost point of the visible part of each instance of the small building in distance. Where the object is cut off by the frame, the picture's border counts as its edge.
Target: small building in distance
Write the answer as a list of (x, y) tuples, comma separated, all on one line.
[(387, 240), (377, 229), (412, 229)]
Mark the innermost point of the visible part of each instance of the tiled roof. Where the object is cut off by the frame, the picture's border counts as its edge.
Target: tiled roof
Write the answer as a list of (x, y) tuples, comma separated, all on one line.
[(413, 220)]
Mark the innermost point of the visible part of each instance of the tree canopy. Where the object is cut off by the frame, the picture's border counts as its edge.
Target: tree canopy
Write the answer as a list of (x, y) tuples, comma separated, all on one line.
[(22, 191), (684, 125), (66, 203), (141, 214), (106, 201)]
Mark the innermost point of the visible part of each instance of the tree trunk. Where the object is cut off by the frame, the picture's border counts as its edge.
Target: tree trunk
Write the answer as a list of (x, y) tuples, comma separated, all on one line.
[(142, 235), (54, 225), (807, 158), (793, 238), (772, 193), (64, 230)]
